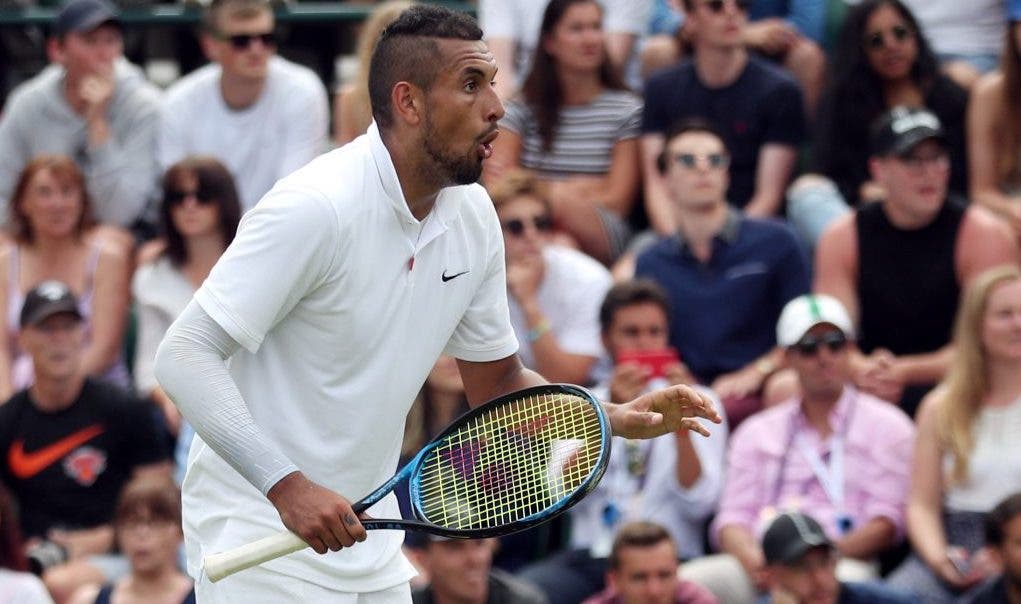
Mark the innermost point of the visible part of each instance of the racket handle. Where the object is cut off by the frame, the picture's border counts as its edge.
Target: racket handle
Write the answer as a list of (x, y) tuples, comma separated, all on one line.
[(224, 564)]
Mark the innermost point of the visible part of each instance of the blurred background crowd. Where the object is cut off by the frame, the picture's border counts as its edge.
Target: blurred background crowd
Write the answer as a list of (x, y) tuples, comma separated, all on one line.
[(808, 209)]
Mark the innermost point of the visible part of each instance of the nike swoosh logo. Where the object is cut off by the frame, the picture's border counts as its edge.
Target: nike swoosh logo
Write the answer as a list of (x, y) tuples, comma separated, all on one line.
[(446, 277), (26, 465)]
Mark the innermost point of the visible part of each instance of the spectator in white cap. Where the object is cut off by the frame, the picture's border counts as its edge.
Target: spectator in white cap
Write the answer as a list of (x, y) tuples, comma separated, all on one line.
[(801, 562), (832, 449)]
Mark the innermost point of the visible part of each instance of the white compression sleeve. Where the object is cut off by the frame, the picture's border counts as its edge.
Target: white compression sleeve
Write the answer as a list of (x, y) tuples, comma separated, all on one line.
[(191, 368)]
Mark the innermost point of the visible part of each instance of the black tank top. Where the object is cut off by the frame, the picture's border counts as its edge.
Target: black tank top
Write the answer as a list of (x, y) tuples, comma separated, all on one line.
[(907, 282), (103, 597)]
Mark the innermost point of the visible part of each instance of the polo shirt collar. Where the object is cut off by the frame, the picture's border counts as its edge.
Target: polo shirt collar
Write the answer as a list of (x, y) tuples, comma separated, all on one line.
[(839, 416), (728, 234), (443, 211)]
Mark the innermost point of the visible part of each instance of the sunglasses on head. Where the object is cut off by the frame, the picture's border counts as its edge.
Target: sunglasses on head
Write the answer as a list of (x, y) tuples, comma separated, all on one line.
[(877, 39), (176, 196), (243, 41), (717, 6), (516, 226), (691, 160), (809, 345)]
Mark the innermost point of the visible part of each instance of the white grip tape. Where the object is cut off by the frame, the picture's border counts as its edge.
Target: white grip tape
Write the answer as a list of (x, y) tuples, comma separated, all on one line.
[(224, 564)]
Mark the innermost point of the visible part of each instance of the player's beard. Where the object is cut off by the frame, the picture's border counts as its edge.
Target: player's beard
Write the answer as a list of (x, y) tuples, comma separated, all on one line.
[(456, 169)]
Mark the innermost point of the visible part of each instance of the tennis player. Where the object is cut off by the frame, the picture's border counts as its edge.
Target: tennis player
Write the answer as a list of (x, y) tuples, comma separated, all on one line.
[(343, 286)]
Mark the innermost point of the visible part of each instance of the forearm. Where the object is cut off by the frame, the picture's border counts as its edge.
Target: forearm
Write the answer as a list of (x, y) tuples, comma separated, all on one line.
[(689, 466), (740, 543), (85, 542), (926, 368), (925, 532), (763, 204), (190, 365), (868, 541)]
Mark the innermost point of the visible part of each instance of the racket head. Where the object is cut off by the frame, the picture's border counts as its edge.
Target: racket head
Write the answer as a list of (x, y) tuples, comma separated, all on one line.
[(512, 463)]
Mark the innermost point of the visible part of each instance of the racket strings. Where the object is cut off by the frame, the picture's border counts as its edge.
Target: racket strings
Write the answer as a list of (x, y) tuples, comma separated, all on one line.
[(511, 463)]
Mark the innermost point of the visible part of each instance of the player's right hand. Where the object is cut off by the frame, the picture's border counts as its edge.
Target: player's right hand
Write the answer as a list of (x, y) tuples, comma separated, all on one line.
[(322, 518)]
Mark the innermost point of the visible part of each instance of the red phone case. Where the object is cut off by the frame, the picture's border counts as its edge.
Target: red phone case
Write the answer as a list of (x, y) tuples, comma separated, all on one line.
[(656, 361)]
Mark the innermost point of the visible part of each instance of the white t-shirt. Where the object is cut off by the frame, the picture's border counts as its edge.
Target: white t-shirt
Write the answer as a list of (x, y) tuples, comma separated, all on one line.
[(521, 21), (282, 131), (967, 28), (640, 483), (572, 290), (22, 588), (340, 329), (160, 292)]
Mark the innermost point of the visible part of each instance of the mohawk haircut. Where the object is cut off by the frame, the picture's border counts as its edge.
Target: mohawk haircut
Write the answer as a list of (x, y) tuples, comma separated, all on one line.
[(407, 50)]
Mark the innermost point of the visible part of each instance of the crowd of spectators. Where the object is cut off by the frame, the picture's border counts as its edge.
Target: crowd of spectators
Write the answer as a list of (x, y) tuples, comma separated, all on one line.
[(808, 209)]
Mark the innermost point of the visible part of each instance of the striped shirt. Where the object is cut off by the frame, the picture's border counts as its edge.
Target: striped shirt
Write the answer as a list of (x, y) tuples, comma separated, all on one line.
[(585, 135)]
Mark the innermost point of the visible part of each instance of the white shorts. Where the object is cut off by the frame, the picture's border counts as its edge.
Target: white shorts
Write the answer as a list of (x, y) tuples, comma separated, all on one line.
[(257, 585)]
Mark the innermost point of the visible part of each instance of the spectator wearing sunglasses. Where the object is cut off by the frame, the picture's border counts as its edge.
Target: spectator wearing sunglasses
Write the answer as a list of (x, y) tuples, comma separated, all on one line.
[(882, 60), (757, 105), (90, 105), (968, 456), (198, 217), (259, 114), (554, 291), (920, 245), (727, 274), (840, 453)]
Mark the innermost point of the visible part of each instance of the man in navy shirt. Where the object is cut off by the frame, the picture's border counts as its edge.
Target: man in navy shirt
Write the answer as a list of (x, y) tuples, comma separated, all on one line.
[(727, 275), (757, 105)]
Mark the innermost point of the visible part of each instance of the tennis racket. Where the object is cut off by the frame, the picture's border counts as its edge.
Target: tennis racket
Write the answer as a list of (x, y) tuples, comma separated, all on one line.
[(509, 464)]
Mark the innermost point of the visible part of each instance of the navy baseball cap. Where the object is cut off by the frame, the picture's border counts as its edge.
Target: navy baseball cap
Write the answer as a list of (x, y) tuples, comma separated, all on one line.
[(898, 130), (790, 536), (85, 15), (47, 299)]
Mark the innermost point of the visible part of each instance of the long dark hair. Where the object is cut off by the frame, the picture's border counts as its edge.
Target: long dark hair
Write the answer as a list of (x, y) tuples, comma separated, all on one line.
[(214, 181), (854, 84), (12, 554), (541, 90), (1010, 65)]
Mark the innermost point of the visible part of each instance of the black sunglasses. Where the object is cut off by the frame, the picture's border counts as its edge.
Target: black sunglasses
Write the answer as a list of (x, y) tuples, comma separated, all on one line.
[(176, 196), (243, 41), (716, 6), (516, 226), (690, 160), (809, 345), (877, 39)]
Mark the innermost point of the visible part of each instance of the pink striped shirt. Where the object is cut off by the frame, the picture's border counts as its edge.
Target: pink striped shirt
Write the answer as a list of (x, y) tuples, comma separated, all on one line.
[(767, 470)]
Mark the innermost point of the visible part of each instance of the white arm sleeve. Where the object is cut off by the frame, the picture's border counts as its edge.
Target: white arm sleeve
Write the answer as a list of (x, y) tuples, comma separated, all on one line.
[(191, 368)]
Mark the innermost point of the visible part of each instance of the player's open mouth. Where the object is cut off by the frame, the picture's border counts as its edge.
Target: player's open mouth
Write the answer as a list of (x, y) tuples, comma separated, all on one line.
[(485, 148)]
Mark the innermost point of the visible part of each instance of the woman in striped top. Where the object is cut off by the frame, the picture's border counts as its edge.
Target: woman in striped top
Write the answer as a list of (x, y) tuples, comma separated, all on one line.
[(576, 125)]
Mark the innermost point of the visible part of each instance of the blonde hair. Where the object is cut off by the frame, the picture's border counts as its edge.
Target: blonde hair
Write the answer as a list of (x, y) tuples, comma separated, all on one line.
[(967, 383), (360, 108), (517, 183)]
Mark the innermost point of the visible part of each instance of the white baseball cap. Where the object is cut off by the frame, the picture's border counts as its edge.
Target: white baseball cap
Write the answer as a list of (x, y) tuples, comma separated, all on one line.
[(805, 312)]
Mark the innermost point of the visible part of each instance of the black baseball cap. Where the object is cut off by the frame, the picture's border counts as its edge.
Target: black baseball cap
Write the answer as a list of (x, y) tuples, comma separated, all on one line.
[(790, 536), (47, 299), (898, 130), (85, 15)]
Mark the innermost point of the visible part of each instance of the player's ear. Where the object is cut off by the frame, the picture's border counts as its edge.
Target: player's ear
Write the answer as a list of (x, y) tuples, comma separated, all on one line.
[(408, 103)]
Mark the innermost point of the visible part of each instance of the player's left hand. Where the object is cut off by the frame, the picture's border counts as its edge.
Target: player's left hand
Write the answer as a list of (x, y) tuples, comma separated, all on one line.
[(662, 412)]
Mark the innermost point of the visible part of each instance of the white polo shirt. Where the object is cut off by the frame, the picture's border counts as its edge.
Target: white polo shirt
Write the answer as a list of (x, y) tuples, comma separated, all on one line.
[(340, 329)]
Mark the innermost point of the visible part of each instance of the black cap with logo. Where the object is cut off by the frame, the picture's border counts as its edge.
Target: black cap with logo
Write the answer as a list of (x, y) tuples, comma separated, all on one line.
[(47, 299), (898, 130), (790, 536)]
